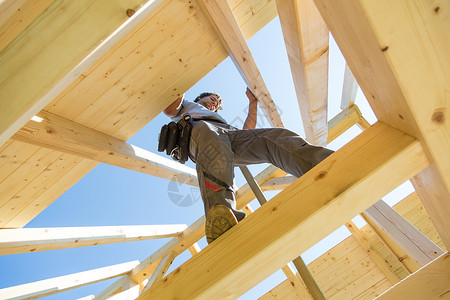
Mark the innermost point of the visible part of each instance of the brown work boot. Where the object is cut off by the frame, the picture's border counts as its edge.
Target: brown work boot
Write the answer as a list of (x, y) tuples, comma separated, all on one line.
[(219, 219)]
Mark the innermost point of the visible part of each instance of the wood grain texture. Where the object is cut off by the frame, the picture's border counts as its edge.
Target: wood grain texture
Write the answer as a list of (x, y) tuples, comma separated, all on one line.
[(430, 282), (297, 228), (60, 134), (380, 40), (56, 43), (306, 39), (89, 99), (409, 238)]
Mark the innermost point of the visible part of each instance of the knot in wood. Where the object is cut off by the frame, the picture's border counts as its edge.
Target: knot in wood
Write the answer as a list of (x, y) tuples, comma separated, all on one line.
[(438, 117), (320, 175), (49, 130), (130, 12)]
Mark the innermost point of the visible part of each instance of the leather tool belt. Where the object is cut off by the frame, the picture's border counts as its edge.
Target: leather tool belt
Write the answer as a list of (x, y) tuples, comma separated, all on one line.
[(174, 139)]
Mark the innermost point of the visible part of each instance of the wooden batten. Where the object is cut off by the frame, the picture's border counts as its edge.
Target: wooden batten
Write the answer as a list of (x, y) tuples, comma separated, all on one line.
[(306, 38), (60, 284), (25, 240), (324, 191)]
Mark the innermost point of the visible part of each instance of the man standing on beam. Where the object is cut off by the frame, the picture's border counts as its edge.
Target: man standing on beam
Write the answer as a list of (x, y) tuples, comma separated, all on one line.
[(217, 147)]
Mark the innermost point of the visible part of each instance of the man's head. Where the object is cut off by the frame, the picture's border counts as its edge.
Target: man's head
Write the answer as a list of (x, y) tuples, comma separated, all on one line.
[(210, 100)]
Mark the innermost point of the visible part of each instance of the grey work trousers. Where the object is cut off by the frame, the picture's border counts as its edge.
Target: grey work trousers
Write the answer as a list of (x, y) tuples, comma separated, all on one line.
[(217, 148)]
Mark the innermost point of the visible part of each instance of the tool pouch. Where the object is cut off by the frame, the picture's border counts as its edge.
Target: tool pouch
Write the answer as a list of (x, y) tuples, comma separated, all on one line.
[(174, 138)]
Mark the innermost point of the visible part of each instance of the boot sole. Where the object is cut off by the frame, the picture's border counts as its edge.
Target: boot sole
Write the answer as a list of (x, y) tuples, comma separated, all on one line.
[(219, 220)]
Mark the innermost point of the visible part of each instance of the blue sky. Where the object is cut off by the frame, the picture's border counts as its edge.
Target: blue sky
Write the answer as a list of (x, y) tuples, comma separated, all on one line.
[(110, 195)]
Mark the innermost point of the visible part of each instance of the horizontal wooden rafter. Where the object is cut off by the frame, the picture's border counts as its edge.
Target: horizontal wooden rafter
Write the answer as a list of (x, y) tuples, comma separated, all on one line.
[(57, 133), (25, 240), (336, 187), (306, 38), (398, 52), (61, 51), (222, 19), (60, 284)]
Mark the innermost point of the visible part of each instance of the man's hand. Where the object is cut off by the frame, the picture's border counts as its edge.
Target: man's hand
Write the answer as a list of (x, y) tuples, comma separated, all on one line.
[(250, 96), (250, 121), (174, 109)]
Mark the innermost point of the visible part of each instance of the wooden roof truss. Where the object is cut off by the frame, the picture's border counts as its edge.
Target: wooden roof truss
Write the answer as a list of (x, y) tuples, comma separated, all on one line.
[(398, 53)]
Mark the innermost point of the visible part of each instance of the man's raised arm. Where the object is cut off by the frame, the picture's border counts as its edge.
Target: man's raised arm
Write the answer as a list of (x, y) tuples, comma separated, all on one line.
[(174, 109), (250, 121)]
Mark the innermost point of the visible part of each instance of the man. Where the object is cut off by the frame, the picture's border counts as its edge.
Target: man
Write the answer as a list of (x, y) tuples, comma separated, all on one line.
[(217, 148)]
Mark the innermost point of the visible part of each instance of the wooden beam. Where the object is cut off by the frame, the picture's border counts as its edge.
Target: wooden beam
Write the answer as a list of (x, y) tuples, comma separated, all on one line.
[(349, 89), (278, 183), (336, 126), (363, 124), (54, 132), (25, 240), (369, 249), (15, 16), (395, 264), (179, 244), (296, 282), (222, 19), (89, 297), (398, 53), (281, 291), (245, 194), (60, 284), (432, 192), (308, 279), (116, 285), (409, 238), (130, 291), (293, 276), (194, 249), (343, 122), (61, 45), (160, 270), (335, 190), (306, 38), (410, 265), (196, 231), (430, 282)]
